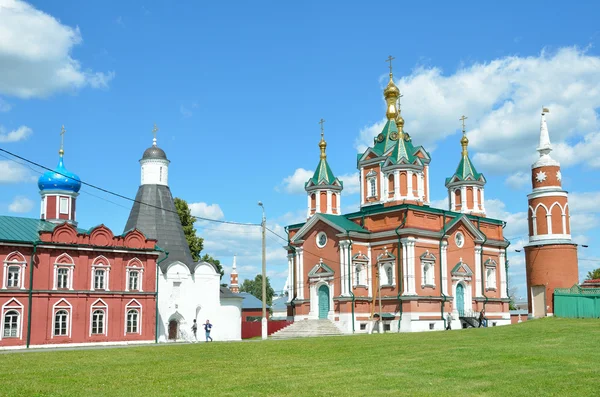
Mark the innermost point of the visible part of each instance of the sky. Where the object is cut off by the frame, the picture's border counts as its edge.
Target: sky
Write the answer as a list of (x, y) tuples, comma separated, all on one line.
[(237, 90)]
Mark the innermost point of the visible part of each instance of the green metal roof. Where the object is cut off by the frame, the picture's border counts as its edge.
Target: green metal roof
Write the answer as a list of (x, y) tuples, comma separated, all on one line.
[(344, 223), (26, 230), (323, 173), (399, 143), (464, 170)]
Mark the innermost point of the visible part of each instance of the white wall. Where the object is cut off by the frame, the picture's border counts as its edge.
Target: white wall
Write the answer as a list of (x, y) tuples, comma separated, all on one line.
[(198, 298)]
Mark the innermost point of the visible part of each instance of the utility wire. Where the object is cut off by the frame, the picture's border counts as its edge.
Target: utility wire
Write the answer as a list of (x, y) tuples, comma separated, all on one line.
[(120, 195)]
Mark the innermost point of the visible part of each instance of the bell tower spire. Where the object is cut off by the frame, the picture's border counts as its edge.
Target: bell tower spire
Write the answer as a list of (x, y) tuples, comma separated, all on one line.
[(550, 255), (323, 189)]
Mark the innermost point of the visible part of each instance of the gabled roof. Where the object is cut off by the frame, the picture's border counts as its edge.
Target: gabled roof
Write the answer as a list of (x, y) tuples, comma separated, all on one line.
[(26, 230), (462, 218), (250, 301), (338, 222), (321, 270), (465, 171), (323, 175), (461, 269)]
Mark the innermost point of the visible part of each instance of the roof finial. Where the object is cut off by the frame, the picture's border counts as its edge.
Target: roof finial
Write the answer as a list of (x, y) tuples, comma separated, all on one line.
[(545, 145), (234, 267), (154, 131), (390, 59), (61, 152), (322, 143), (464, 142)]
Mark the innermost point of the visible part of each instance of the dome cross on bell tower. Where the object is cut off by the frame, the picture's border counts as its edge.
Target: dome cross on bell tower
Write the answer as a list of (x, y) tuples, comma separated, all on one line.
[(464, 142), (391, 94), (322, 143), (61, 151), (154, 131)]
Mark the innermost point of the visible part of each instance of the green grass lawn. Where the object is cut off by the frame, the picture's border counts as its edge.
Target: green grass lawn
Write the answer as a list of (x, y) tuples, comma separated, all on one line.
[(543, 357)]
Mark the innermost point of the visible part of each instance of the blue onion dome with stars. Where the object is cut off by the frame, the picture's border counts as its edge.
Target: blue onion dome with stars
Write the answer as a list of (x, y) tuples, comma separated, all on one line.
[(60, 178)]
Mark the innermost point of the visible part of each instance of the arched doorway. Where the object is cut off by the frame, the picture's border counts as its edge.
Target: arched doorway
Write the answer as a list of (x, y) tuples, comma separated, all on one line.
[(173, 328), (323, 294), (460, 300)]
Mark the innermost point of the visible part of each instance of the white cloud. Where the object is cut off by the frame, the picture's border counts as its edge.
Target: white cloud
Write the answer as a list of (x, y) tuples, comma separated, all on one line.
[(19, 134), (518, 180), (366, 136), (20, 205), (35, 54), (11, 172), (351, 184), (503, 99), (188, 111), (441, 204), (203, 210), (294, 184), (516, 223)]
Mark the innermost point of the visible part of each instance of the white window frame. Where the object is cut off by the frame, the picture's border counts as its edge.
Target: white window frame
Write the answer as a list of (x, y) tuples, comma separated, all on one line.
[(16, 324), (428, 260), (12, 305), (371, 184), (15, 281), (99, 279), (100, 263), (62, 276), (21, 263), (63, 205), (361, 278), (62, 304), (491, 279), (70, 266), (96, 306), (383, 266), (135, 265), (133, 305), (318, 239)]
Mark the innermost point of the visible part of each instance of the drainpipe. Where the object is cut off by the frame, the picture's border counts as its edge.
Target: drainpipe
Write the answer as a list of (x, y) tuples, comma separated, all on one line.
[(481, 264), (350, 278), (156, 294), (506, 261), (399, 267), (30, 297), (444, 297)]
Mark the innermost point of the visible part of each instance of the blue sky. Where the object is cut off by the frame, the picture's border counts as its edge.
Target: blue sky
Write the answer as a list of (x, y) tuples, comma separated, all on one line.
[(237, 90)]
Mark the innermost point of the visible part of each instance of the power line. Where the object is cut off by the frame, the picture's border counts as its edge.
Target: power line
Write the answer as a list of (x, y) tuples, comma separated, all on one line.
[(120, 195)]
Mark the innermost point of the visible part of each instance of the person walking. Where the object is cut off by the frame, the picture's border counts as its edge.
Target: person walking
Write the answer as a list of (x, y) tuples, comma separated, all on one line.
[(449, 322), (481, 318), (194, 330), (207, 328)]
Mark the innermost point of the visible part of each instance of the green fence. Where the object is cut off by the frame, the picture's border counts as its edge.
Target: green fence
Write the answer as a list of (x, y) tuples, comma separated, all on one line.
[(577, 302)]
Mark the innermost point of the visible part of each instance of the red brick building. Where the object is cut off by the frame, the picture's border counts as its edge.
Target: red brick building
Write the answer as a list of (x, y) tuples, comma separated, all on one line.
[(64, 285), (397, 258)]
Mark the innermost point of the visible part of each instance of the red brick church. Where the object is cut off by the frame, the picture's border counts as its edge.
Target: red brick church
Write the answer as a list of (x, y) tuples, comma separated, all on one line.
[(397, 258), (61, 284)]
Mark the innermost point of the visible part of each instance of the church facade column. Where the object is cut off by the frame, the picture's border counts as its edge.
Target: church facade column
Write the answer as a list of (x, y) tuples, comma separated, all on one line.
[(463, 199), (329, 211), (369, 272), (478, 249), (396, 185), (475, 202), (409, 191), (291, 280), (444, 262), (503, 281), (300, 278), (343, 268), (420, 187)]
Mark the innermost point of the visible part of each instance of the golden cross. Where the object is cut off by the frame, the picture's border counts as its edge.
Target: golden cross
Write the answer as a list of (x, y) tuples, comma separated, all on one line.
[(322, 128), (155, 130), (390, 59), (463, 118), (62, 136)]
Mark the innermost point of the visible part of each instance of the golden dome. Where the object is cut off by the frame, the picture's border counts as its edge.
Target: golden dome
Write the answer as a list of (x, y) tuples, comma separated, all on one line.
[(464, 142), (323, 146), (400, 122), (391, 90)]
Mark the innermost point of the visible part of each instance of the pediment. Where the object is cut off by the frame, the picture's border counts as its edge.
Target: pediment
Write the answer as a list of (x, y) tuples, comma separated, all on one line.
[(462, 219), (461, 269), (321, 270)]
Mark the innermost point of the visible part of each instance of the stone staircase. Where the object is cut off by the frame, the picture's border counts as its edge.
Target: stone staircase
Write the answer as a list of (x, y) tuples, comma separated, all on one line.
[(307, 328)]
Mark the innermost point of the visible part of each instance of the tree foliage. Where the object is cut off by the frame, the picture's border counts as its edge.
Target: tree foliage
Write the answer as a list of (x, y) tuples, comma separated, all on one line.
[(593, 275), (195, 242), (254, 287)]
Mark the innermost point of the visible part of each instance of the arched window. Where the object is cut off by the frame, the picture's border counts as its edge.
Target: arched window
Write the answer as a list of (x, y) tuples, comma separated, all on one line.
[(490, 274), (61, 323), (372, 187), (389, 271), (361, 274), (387, 274), (132, 321), (98, 321), (11, 324)]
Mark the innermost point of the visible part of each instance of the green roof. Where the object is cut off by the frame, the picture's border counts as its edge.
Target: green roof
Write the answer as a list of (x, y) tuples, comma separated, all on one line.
[(14, 228), (344, 223), (399, 143), (464, 170), (323, 173)]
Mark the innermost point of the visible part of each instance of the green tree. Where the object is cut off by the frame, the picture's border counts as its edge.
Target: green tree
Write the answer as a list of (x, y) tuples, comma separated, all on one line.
[(254, 287), (593, 275), (216, 262), (195, 242)]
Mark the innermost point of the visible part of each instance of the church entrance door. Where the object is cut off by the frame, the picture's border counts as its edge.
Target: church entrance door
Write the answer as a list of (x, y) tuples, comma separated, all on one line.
[(323, 301), (460, 300), (173, 329)]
